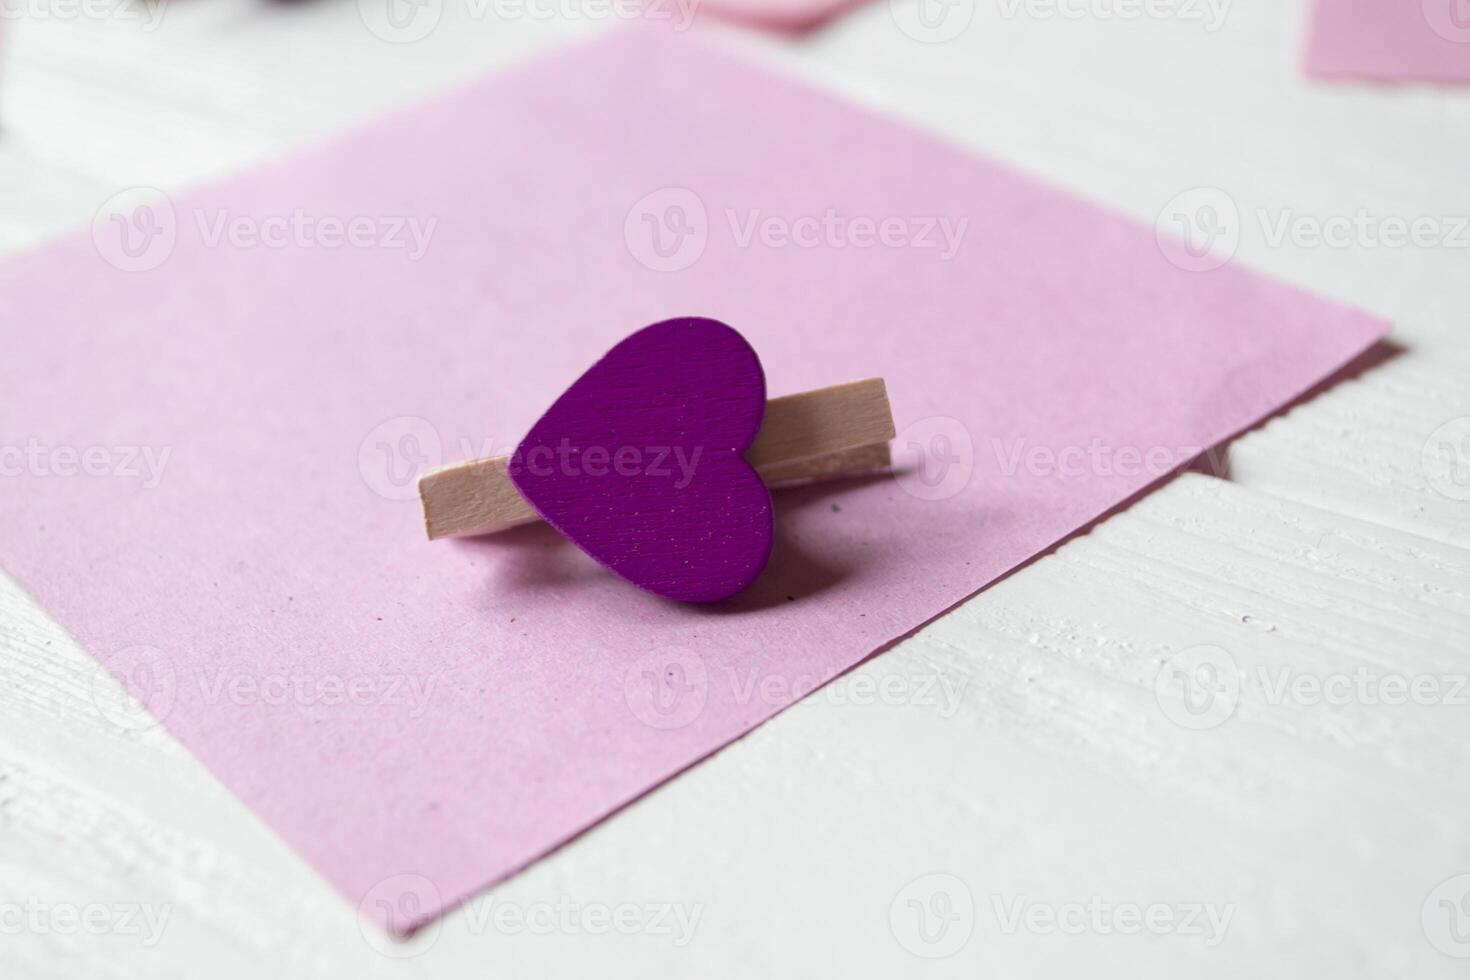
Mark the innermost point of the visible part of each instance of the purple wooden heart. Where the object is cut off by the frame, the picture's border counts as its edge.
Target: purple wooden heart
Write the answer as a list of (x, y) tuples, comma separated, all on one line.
[(640, 462)]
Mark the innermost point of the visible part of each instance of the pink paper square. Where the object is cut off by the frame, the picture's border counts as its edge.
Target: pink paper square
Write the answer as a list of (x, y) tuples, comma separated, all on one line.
[(1426, 40), (426, 718)]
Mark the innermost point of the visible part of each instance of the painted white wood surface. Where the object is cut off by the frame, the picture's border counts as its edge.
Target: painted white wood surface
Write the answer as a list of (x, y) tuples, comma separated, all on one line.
[(1022, 748)]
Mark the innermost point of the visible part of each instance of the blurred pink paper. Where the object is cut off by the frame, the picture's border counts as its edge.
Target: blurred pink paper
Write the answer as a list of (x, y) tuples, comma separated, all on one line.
[(223, 398), (1410, 40), (781, 15)]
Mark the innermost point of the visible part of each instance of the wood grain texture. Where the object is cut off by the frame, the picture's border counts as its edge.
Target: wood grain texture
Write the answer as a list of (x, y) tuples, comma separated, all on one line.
[(840, 430), (822, 422), (845, 464), (1049, 771), (989, 729), (473, 497)]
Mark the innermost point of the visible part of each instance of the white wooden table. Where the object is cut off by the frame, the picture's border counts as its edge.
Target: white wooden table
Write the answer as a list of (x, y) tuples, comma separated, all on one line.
[(1029, 804)]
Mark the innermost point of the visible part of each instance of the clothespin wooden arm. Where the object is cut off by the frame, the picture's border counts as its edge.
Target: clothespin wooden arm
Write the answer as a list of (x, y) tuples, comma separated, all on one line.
[(816, 435)]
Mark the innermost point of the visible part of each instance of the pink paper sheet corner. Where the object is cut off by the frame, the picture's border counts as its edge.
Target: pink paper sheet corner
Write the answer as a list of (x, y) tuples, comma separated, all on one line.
[(1390, 40)]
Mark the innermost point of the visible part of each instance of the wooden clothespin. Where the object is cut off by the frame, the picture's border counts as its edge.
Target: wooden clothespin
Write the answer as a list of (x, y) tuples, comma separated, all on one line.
[(830, 433), (596, 464)]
